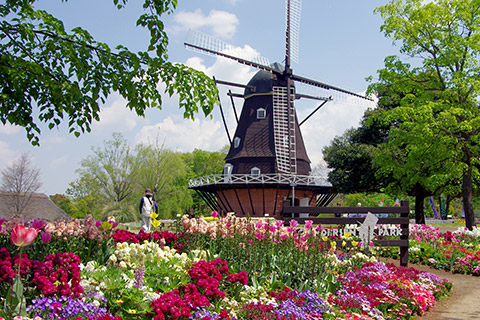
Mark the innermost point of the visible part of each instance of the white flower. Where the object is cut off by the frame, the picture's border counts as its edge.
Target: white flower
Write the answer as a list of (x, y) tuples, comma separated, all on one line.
[(150, 296), (112, 258)]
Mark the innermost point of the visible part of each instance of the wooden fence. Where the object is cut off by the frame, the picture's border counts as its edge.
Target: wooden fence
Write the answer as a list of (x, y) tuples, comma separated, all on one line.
[(349, 215)]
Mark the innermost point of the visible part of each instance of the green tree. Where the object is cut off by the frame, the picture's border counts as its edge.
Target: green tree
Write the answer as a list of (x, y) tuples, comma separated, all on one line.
[(49, 74), (165, 172), (351, 161), (203, 163), (443, 117), (108, 176), (64, 203)]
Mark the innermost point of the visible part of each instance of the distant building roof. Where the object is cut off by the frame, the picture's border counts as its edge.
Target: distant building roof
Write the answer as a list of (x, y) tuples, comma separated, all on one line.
[(39, 207)]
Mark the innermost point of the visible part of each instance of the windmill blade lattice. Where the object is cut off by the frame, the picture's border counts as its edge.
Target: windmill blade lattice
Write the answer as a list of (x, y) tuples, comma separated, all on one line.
[(293, 9), (284, 131), (201, 42)]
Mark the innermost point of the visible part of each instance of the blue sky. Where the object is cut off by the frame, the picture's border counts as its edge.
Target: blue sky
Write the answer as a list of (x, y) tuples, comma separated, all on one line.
[(340, 43)]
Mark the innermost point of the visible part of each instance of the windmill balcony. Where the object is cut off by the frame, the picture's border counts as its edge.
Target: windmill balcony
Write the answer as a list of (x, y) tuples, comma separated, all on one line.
[(285, 179)]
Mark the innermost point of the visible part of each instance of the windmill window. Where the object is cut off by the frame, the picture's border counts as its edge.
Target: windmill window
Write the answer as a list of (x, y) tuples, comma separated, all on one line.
[(236, 142), (261, 113), (227, 169), (255, 172)]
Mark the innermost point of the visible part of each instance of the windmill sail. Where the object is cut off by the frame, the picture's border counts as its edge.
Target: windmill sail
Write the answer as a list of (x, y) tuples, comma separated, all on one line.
[(201, 42), (293, 9), (284, 131)]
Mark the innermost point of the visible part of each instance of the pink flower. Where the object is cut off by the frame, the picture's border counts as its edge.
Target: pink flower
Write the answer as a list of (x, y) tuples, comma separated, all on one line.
[(22, 237), (214, 214), (260, 236), (308, 224), (293, 223)]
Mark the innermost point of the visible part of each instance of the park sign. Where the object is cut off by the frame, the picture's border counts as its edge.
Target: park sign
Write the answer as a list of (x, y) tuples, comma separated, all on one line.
[(368, 223)]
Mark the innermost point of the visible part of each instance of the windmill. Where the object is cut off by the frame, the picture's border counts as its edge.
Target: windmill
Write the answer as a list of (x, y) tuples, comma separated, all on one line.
[(267, 162)]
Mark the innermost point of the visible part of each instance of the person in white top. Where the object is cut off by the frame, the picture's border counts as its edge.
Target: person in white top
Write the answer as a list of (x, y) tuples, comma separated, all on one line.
[(147, 207)]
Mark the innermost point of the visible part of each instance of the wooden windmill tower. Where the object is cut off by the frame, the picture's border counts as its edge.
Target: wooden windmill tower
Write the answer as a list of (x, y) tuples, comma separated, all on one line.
[(267, 162)]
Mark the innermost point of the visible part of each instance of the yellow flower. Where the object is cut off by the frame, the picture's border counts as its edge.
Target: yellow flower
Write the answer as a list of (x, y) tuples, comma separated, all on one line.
[(119, 302), (132, 311), (354, 243), (344, 243), (155, 223), (347, 235), (325, 238), (154, 215), (333, 244)]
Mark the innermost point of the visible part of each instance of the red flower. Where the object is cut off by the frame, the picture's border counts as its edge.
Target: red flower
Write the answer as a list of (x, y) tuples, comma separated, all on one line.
[(22, 237)]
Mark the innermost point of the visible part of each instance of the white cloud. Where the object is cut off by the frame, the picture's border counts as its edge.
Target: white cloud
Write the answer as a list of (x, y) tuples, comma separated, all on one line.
[(219, 23), (9, 129), (332, 120), (116, 117), (185, 135), (223, 69)]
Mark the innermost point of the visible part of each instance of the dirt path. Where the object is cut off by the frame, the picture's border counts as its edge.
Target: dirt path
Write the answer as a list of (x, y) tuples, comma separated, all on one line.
[(464, 300)]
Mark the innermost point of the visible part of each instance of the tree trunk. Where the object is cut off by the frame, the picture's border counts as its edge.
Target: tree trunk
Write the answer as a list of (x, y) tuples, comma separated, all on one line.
[(419, 197), (467, 194)]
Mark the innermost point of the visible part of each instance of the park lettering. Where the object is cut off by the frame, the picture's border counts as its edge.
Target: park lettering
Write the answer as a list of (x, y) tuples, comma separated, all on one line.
[(378, 231)]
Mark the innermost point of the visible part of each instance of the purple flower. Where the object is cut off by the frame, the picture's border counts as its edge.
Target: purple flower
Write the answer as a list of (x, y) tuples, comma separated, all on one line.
[(38, 224), (139, 273), (46, 237), (65, 307)]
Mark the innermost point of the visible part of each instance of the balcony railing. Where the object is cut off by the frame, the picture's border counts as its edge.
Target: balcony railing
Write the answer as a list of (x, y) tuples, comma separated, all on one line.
[(288, 179)]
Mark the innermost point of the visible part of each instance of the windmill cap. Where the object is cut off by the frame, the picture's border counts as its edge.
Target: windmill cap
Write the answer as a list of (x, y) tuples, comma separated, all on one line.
[(262, 80)]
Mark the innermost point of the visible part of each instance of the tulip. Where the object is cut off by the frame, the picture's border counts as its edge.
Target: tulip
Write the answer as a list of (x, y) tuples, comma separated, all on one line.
[(22, 237), (293, 223), (308, 224), (46, 237), (38, 224), (214, 214)]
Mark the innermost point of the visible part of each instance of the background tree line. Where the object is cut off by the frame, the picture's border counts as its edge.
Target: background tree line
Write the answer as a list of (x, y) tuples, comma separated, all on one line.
[(112, 179)]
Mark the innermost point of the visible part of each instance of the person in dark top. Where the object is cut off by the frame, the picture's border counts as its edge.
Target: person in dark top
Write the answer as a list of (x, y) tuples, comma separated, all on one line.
[(147, 207)]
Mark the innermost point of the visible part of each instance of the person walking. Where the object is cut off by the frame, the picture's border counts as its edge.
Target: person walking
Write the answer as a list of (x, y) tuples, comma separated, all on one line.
[(147, 207)]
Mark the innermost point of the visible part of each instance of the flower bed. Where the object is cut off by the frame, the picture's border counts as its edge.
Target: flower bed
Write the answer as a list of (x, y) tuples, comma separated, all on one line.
[(228, 268), (457, 251)]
